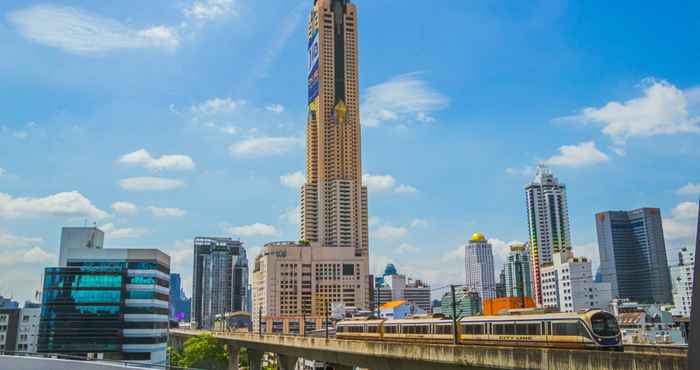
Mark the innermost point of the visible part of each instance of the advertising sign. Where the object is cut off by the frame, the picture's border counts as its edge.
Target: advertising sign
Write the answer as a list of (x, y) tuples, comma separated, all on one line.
[(313, 67)]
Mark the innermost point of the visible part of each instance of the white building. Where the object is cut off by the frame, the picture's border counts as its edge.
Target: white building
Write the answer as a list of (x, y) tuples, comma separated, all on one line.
[(568, 286), (548, 221), (399, 287), (682, 280), (28, 328), (481, 277)]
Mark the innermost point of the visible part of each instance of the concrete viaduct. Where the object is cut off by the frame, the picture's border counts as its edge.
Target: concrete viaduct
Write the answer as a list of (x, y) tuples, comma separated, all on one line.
[(345, 354)]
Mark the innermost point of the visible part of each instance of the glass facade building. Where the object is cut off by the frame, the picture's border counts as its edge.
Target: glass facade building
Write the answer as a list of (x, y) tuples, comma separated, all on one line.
[(107, 304)]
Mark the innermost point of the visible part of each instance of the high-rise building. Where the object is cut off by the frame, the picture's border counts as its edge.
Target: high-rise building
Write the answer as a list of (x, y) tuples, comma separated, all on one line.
[(79, 237), (333, 200), (180, 305), (518, 279), (682, 282), (106, 303), (220, 279), (479, 266), (633, 255), (548, 221), (394, 287), (468, 303), (568, 286), (28, 328)]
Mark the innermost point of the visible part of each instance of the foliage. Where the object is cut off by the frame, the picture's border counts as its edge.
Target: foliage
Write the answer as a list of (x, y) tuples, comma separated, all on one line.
[(203, 352), (175, 356)]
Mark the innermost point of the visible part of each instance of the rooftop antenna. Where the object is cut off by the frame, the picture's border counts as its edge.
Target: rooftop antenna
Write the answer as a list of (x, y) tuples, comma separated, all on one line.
[(694, 340)]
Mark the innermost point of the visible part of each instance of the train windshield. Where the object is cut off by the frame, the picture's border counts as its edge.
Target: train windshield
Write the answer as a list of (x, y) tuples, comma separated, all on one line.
[(604, 325)]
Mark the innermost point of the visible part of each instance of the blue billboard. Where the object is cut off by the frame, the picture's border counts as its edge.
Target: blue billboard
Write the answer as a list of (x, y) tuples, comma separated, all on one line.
[(313, 67)]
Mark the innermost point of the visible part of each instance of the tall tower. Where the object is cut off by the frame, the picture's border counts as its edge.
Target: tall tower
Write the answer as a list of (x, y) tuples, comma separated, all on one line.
[(548, 220), (333, 200), (478, 261)]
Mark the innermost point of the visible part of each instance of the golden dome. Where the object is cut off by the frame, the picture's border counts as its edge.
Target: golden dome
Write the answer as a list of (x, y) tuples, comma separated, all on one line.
[(478, 237)]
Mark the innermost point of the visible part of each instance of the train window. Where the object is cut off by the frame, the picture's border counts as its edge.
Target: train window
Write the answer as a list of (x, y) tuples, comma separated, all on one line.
[(499, 329), (565, 329), (604, 325), (372, 328), (390, 329), (534, 329), (443, 329), (473, 329), (510, 329), (422, 329)]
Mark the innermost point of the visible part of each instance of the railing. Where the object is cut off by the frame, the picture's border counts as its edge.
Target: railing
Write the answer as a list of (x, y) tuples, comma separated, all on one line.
[(61, 356)]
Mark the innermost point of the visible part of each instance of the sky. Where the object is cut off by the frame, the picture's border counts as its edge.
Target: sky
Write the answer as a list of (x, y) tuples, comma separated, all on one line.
[(161, 121)]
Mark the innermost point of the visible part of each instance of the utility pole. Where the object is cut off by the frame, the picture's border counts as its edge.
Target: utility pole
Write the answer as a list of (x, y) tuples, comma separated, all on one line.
[(326, 319), (521, 284), (455, 332), (379, 312), (694, 337), (260, 321)]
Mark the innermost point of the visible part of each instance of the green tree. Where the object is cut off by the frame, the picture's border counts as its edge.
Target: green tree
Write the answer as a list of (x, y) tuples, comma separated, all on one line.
[(204, 352)]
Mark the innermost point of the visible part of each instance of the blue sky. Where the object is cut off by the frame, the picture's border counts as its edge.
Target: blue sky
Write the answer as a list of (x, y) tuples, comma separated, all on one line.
[(164, 120)]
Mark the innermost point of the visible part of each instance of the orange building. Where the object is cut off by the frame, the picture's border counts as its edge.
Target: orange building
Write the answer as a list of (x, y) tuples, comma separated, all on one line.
[(499, 305)]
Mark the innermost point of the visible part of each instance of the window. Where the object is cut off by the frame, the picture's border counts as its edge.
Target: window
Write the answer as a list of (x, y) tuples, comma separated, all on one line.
[(472, 329), (604, 325), (442, 329), (390, 329)]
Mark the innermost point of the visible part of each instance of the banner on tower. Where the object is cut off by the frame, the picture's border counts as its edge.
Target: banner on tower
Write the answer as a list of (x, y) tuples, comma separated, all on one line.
[(313, 67)]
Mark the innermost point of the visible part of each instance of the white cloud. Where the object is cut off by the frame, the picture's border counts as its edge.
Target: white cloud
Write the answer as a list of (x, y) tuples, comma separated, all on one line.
[(378, 183), (690, 189), (402, 98), (230, 130), (10, 240), (143, 158), (125, 208), (70, 204), (35, 256), (266, 146), (685, 211), (406, 189), (21, 135), (150, 184), (406, 248), (166, 212), (210, 9), (662, 110), (677, 230), (293, 180), (293, 216), (418, 222), (275, 108), (256, 229), (80, 32), (527, 171), (581, 155), (217, 105), (390, 232), (113, 232)]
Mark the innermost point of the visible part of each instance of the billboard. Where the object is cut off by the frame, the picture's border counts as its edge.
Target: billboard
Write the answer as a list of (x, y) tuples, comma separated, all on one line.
[(313, 67)]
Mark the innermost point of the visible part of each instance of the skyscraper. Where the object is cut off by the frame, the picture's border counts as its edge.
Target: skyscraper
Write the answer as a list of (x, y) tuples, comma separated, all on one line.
[(220, 279), (633, 255), (481, 277), (548, 221), (333, 200), (682, 282), (518, 279)]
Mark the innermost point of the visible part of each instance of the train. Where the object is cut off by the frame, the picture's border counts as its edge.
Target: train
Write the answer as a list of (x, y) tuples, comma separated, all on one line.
[(592, 329)]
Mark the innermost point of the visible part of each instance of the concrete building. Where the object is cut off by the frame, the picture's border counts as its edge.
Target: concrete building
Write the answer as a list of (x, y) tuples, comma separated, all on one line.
[(682, 282), (517, 274), (28, 328), (9, 323), (468, 303), (294, 280), (568, 286), (479, 266), (548, 221), (81, 238), (106, 303), (397, 287), (633, 255), (220, 279)]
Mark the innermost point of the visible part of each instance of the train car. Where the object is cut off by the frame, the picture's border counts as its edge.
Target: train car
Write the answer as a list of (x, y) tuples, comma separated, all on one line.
[(593, 329)]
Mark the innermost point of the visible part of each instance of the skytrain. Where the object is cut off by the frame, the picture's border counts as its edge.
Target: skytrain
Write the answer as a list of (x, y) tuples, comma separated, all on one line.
[(593, 329)]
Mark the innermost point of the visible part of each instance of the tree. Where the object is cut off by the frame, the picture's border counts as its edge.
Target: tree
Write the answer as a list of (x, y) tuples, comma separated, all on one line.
[(204, 352)]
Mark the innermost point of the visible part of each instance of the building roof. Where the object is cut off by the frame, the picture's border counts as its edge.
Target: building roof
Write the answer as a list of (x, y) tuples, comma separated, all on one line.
[(478, 237), (630, 318), (392, 304)]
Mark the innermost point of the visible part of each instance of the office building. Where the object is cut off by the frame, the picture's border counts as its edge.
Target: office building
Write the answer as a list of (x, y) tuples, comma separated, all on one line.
[(682, 282), (106, 303), (517, 274), (568, 286), (479, 266), (180, 305), (28, 328), (396, 287), (468, 303), (633, 255), (548, 222), (8, 303), (294, 280), (9, 323), (220, 279), (80, 238)]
